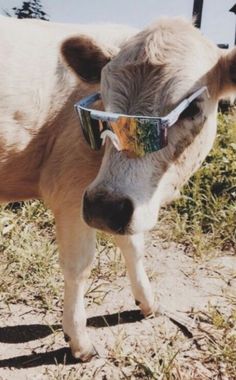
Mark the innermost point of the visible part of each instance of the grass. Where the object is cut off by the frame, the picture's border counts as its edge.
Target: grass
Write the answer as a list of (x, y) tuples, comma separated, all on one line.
[(28, 259), (137, 362), (203, 220), (222, 352)]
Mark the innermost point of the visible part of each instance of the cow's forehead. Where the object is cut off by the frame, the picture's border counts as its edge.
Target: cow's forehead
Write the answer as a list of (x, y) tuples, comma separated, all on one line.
[(171, 58), (166, 40)]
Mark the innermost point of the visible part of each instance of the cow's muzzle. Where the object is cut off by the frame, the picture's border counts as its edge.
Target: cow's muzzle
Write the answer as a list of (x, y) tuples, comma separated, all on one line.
[(106, 213)]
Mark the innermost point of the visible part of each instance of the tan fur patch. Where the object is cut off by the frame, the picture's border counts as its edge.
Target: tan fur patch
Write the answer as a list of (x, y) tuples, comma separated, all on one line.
[(18, 116), (181, 146)]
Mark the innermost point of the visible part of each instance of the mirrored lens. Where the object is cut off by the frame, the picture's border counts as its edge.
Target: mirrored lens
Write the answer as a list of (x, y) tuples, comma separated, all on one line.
[(139, 136), (136, 136), (91, 129)]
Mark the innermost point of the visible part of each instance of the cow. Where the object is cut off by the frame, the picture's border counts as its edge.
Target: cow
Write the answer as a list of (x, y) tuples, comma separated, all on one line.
[(43, 153)]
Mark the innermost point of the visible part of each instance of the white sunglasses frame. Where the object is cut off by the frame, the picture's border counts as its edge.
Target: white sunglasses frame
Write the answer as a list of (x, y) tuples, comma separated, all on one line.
[(166, 121), (171, 118)]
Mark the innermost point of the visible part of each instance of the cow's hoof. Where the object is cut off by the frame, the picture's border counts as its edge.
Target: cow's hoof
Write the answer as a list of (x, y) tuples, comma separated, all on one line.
[(84, 356), (146, 310), (148, 313), (154, 311)]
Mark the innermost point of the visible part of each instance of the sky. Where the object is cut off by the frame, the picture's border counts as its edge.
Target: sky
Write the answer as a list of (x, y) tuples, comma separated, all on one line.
[(217, 22)]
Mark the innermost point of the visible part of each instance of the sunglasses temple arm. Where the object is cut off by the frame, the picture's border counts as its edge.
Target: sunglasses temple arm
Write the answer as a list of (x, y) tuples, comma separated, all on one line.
[(85, 102), (173, 116)]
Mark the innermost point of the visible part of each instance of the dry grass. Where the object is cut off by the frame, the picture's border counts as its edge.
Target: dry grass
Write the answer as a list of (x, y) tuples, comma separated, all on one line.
[(204, 221), (29, 266)]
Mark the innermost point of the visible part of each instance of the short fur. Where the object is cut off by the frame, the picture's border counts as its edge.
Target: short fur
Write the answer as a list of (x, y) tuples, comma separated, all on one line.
[(43, 154)]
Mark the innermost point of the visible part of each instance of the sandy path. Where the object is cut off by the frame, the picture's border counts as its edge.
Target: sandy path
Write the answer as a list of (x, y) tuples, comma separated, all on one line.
[(32, 344)]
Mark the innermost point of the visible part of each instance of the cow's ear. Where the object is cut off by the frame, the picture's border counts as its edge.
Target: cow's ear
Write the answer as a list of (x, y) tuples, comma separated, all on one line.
[(227, 67), (85, 57)]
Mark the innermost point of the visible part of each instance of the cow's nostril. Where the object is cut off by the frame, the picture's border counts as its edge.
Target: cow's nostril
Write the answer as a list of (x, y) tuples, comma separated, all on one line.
[(102, 212), (119, 214)]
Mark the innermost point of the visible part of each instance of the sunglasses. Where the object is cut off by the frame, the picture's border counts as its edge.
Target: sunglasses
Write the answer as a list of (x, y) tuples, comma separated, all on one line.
[(136, 135)]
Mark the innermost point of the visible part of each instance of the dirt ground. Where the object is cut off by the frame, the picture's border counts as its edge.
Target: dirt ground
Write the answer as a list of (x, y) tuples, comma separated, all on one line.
[(181, 342)]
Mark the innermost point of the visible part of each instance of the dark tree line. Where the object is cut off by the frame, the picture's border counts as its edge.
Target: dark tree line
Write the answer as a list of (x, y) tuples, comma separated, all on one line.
[(29, 9)]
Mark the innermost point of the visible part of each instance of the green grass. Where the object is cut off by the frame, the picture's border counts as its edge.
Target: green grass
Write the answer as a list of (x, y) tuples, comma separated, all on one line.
[(204, 218)]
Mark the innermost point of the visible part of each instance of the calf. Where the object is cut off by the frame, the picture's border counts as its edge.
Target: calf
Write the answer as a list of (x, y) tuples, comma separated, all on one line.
[(43, 153)]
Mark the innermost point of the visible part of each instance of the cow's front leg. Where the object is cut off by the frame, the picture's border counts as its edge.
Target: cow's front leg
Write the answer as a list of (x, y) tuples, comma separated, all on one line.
[(132, 247), (77, 247)]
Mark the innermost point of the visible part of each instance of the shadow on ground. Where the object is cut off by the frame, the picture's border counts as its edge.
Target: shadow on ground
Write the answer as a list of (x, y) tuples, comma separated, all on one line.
[(26, 333), (60, 356)]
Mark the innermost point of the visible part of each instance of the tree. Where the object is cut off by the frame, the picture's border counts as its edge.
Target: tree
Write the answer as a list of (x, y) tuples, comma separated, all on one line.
[(30, 9)]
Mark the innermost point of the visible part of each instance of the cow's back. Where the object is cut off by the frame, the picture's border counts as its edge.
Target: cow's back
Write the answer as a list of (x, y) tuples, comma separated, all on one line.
[(30, 69), (35, 90)]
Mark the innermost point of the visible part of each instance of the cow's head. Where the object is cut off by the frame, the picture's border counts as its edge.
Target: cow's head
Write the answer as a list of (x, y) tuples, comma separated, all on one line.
[(150, 75)]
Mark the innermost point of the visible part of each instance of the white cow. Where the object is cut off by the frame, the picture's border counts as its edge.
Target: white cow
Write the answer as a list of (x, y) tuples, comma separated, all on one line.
[(44, 155)]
